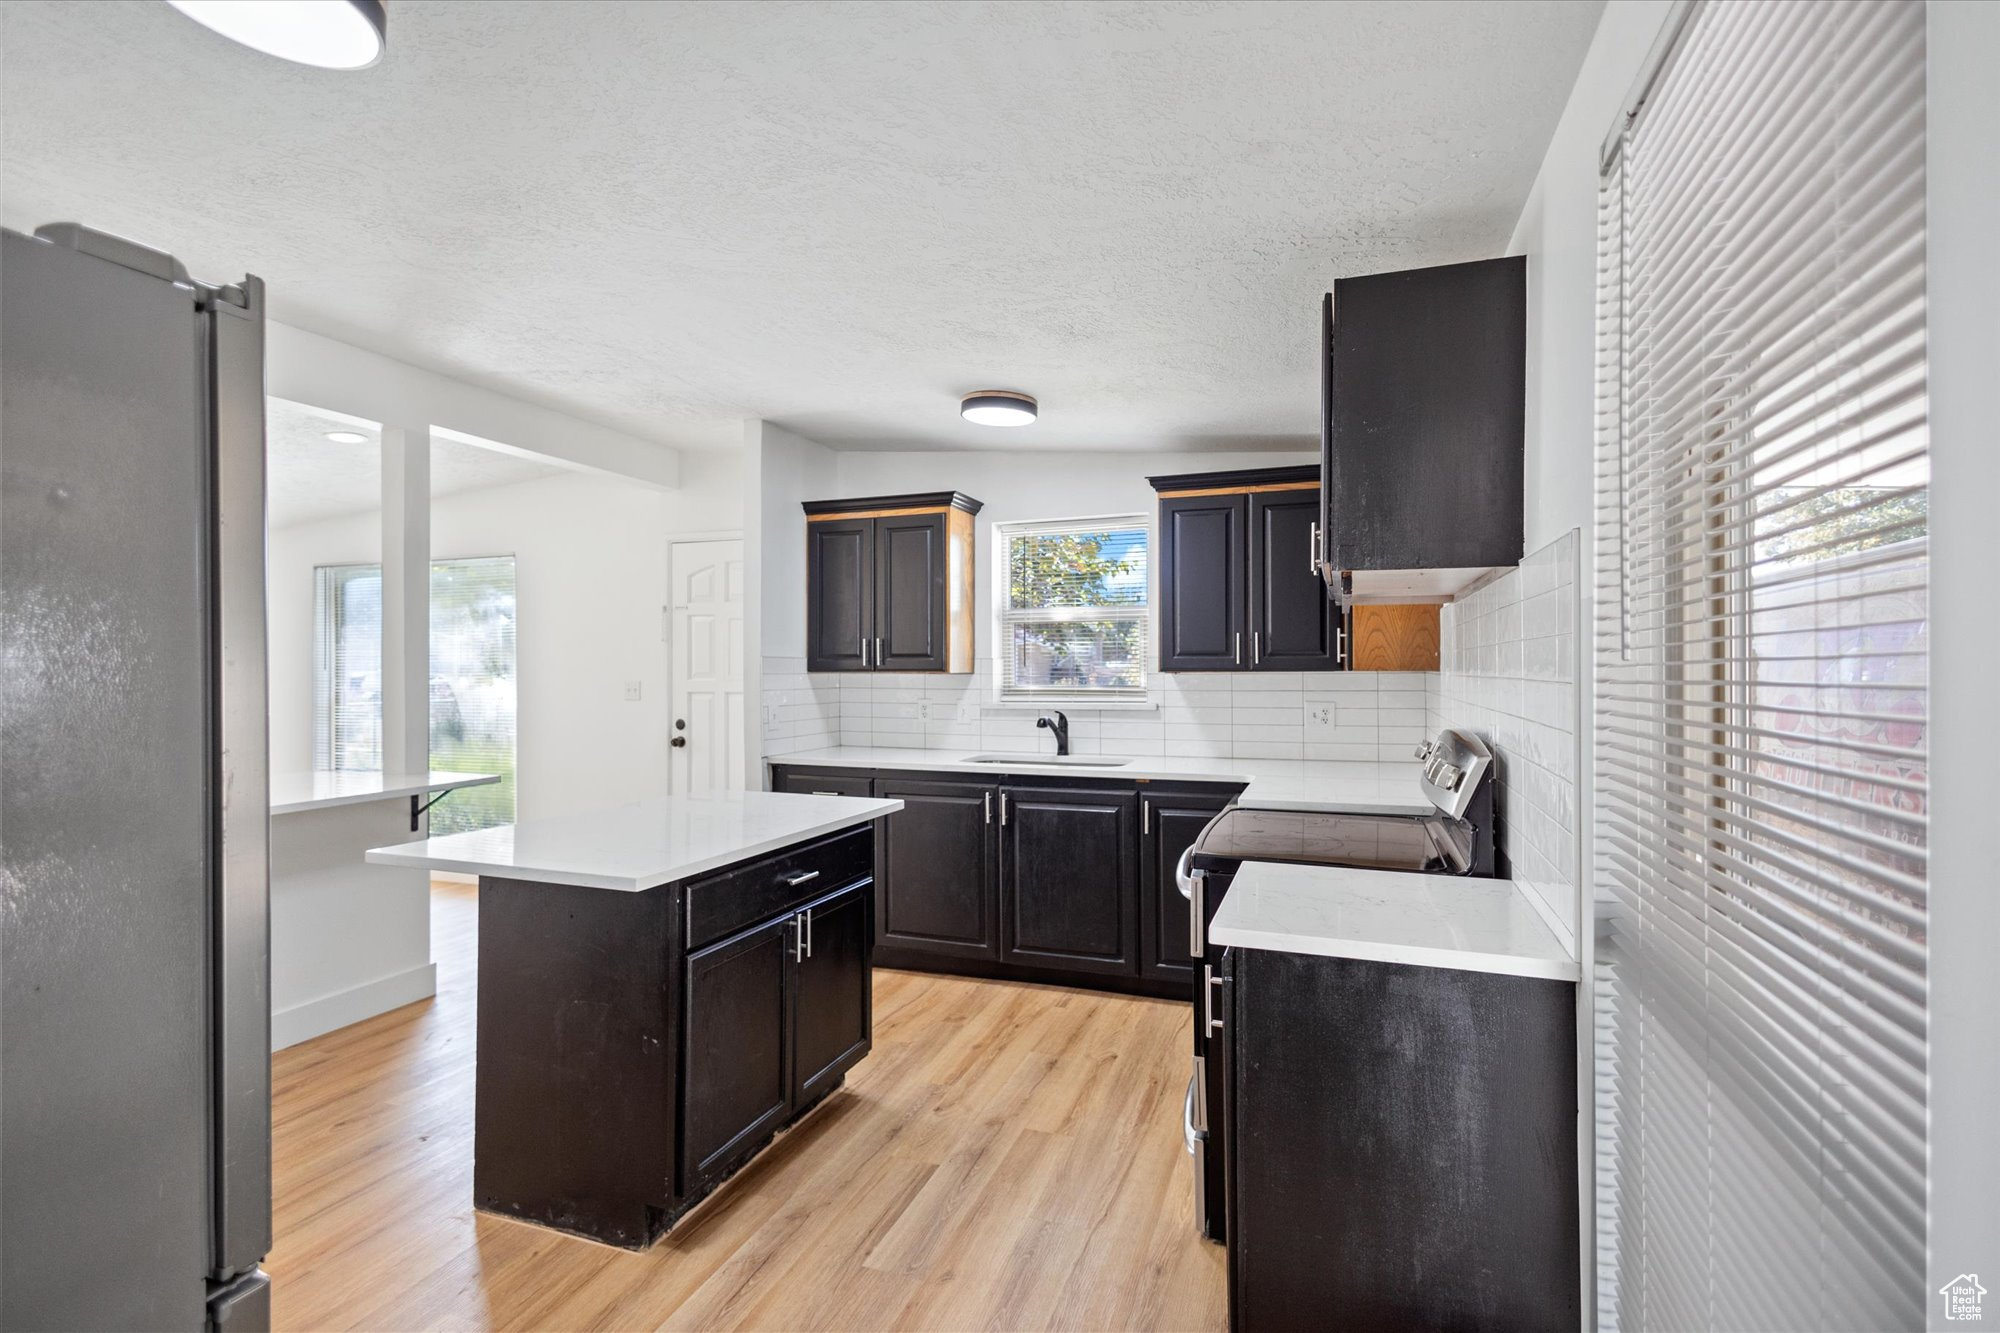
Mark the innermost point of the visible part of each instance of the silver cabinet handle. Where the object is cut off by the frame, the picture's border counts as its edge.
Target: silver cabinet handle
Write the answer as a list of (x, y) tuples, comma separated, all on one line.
[(1256, 647), (1312, 550), (1239, 648), (1181, 880), (864, 650), (798, 937), (1197, 928), (826, 793), (1003, 809), (1189, 1134), (878, 652), (1145, 815), (1339, 644), (792, 881), (986, 800), (809, 932), (1208, 998)]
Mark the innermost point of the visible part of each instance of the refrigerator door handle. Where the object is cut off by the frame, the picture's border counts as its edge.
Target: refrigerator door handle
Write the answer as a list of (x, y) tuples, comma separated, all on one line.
[(241, 930)]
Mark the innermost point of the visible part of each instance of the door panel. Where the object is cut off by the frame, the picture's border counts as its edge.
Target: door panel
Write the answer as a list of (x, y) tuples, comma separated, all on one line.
[(840, 594), (832, 994), (737, 1081), (706, 586), (1202, 583), (936, 891), (1176, 821), (910, 625), (1291, 620), (1069, 879)]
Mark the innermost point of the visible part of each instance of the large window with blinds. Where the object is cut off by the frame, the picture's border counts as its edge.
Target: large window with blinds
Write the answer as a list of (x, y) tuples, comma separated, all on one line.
[(472, 682), (1761, 647), (1073, 610)]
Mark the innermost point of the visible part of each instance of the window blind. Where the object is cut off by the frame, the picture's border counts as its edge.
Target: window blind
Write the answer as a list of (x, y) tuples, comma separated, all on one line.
[(1074, 610), (1760, 715)]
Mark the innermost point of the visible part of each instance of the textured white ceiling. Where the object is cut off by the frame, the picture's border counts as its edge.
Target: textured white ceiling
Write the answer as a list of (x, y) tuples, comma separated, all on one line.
[(309, 476), (668, 217)]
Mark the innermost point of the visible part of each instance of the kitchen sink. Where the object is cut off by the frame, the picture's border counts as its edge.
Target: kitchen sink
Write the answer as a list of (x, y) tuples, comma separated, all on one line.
[(1050, 760)]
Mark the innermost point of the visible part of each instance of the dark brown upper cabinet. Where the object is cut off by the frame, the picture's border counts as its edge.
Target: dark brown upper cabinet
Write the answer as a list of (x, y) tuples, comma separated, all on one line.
[(1422, 398), (889, 583), (1239, 584)]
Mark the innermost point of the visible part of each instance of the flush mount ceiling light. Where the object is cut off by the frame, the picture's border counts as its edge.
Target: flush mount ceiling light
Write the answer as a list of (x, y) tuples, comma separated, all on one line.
[(998, 407), (331, 34), (347, 437)]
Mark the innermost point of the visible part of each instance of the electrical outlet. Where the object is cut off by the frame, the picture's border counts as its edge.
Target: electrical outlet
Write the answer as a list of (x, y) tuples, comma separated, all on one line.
[(923, 710), (1319, 719), (632, 688)]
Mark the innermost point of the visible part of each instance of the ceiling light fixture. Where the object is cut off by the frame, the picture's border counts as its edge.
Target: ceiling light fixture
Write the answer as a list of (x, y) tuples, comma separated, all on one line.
[(331, 34), (998, 407), (347, 437)]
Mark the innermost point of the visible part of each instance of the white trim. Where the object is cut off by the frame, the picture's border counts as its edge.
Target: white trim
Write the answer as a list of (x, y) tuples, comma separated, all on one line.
[(313, 1018)]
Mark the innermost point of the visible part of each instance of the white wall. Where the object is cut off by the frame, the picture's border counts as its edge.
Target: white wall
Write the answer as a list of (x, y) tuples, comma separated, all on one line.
[(590, 570), (1963, 106), (1557, 231)]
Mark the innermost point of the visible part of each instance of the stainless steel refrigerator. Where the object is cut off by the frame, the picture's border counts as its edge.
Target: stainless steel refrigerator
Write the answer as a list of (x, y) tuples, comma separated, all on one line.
[(135, 1050)]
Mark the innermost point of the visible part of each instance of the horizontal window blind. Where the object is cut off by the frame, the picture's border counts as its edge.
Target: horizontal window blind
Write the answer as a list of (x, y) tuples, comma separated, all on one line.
[(1761, 645), (1074, 613)]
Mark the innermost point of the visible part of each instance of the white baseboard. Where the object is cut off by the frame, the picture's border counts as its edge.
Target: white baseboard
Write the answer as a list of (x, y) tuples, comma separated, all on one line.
[(303, 1022)]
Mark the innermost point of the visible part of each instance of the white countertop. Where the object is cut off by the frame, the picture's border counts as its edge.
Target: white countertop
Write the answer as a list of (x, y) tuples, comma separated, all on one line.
[(639, 846), (294, 792), (1273, 784), (1387, 916)]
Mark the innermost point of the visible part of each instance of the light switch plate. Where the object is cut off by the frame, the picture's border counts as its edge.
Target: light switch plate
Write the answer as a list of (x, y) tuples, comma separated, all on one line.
[(632, 689)]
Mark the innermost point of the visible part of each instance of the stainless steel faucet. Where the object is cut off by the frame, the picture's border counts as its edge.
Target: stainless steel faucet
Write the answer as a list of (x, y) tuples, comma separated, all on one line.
[(1059, 724)]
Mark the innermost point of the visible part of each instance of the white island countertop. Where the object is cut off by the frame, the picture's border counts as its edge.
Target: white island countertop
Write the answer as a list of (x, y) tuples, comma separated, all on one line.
[(639, 846), (321, 788), (1387, 916), (1356, 788)]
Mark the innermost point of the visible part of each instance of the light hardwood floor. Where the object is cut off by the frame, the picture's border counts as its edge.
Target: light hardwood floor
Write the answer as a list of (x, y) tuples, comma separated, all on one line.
[(1008, 1157)]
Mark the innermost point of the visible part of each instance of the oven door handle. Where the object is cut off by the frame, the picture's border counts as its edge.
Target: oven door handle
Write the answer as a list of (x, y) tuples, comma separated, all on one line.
[(1189, 1133)]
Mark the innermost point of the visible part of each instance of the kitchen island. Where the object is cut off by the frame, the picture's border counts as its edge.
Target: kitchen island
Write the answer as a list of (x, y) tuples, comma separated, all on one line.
[(664, 986)]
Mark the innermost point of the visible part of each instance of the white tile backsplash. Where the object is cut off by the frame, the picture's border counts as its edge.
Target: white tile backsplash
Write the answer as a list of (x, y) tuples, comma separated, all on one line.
[(1368, 716), (1509, 657)]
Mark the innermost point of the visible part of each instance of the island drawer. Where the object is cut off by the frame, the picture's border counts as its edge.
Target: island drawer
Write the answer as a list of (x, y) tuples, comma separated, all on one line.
[(720, 904)]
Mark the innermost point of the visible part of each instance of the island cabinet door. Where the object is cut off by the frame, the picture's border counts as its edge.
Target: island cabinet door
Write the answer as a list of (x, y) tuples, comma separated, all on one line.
[(737, 1084), (1069, 879), (936, 857), (831, 994)]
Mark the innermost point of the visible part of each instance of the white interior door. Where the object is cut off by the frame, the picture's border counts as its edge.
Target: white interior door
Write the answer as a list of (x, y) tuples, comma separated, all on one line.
[(706, 730)]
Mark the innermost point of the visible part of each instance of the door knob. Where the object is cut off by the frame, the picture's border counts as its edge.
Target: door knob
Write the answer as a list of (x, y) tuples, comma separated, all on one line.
[(678, 741)]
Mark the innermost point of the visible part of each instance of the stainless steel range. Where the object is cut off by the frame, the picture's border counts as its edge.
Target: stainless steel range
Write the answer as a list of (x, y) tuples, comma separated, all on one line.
[(1454, 838)]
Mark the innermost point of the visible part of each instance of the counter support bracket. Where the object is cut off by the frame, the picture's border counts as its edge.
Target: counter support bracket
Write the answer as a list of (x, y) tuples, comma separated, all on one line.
[(417, 810)]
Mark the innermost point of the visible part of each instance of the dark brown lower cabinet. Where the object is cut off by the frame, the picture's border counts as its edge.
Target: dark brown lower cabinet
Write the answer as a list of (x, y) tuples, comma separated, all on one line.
[(833, 998), (736, 1082), (1038, 879), (623, 1074), (1170, 824), (1069, 877), (1401, 1145), (938, 869)]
